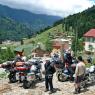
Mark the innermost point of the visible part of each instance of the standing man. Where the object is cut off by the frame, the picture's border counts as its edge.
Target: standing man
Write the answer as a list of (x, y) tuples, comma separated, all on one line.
[(49, 71), (79, 74)]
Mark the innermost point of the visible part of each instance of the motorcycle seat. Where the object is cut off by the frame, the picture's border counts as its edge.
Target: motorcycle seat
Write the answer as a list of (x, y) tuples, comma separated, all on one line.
[(22, 68)]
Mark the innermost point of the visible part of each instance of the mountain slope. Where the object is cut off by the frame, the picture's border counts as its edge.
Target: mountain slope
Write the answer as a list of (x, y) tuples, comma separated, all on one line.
[(80, 22), (12, 30), (36, 21), (46, 35)]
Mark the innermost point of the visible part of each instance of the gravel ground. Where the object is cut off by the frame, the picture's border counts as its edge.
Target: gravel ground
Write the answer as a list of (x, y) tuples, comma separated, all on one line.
[(61, 88)]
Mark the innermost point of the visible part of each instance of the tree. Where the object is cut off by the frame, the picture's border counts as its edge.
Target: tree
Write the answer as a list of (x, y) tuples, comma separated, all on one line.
[(48, 44), (6, 54), (22, 42), (9, 54), (77, 45)]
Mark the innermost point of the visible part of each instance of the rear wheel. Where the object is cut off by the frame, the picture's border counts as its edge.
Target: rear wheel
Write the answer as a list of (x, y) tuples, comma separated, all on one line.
[(40, 77), (12, 78), (62, 78), (26, 84), (83, 84)]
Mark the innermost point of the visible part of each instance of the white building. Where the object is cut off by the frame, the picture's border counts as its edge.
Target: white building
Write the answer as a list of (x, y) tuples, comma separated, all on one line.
[(89, 43)]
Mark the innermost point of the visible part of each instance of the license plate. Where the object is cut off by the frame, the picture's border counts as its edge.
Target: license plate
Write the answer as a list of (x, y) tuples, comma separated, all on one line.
[(29, 77), (17, 76), (22, 78)]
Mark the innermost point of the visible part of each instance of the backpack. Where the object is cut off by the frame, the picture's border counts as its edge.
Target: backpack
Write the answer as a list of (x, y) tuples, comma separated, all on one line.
[(53, 70)]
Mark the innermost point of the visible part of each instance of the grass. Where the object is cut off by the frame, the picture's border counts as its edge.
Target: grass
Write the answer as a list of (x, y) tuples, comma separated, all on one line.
[(44, 36), (39, 38), (3, 75), (27, 48)]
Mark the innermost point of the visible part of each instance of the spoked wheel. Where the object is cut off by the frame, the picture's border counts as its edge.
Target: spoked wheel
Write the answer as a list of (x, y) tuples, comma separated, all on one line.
[(26, 84), (62, 78), (83, 84), (12, 78), (40, 77)]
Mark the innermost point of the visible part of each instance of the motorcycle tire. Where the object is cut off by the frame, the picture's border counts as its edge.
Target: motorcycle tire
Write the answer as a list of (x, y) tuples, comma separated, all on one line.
[(12, 79), (40, 77), (26, 84), (83, 84), (61, 78)]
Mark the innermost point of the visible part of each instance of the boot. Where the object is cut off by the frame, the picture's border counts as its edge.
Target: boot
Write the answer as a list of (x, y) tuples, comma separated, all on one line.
[(76, 91), (79, 90), (51, 91), (46, 90)]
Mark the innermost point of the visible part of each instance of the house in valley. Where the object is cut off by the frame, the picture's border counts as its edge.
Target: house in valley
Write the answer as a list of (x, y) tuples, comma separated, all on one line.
[(89, 43), (61, 43)]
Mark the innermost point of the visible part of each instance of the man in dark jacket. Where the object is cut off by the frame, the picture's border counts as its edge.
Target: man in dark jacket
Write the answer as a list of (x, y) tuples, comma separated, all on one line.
[(49, 71)]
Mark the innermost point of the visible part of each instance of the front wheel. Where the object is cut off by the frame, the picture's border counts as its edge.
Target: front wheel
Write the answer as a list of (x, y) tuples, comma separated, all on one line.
[(26, 84), (12, 78), (62, 78)]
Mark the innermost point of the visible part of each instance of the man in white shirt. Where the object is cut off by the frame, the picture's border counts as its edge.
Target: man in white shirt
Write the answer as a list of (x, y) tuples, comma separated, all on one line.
[(79, 74)]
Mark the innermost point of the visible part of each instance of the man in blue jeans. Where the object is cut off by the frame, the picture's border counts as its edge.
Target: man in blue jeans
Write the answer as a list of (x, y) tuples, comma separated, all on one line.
[(49, 71)]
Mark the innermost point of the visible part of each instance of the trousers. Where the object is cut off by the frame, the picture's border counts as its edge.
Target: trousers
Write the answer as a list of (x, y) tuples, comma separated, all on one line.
[(48, 82)]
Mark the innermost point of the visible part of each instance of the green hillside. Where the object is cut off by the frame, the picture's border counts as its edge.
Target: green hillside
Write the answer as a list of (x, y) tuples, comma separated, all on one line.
[(46, 34), (80, 22), (35, 21), (12, 30)]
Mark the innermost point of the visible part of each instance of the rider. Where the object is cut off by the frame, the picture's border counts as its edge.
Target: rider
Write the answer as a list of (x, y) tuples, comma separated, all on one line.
[(68, 63)]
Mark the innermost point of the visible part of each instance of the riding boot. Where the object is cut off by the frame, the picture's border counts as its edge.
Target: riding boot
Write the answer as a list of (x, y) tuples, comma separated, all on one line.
[(79, 90), (76, 91)]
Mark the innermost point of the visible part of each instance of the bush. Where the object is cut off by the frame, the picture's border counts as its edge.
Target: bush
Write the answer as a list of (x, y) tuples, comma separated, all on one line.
[(6, 55)]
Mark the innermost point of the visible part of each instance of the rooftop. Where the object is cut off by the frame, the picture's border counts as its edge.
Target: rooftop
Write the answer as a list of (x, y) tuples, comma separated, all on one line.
[(90, 33)]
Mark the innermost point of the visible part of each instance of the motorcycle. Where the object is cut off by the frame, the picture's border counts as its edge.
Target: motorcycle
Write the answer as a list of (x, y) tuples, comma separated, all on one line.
[(28, 74), (9, 69), (31, 77), (91, 71), (66, 73), (89, 77), (25, 76)]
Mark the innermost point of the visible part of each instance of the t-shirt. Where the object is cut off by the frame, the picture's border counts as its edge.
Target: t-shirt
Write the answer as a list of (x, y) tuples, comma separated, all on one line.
[(80, 69)]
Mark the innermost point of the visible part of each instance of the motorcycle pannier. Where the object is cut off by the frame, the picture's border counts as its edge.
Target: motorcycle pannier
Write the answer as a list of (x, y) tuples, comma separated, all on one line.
[(19, 64)]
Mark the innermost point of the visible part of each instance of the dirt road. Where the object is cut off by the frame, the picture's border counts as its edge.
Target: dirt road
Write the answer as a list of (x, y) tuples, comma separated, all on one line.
[(61, 88)]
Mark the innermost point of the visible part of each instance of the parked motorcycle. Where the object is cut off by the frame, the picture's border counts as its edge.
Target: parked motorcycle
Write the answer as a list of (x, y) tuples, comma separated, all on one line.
[(89, 77), (28, 74), (31, 77), (9, 68), (91, 71), (66, 73), (24, 76)]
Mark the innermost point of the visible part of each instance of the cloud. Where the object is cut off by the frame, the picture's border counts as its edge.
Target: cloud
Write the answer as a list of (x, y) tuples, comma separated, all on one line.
[(51, 7)]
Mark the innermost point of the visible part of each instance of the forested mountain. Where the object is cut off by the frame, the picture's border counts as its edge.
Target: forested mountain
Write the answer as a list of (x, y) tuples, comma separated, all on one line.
[(35, 21), (12, 30), (80, 22)]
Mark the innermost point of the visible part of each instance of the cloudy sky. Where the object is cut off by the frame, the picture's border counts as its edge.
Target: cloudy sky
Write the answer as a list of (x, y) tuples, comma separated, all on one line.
[(51, 7)]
